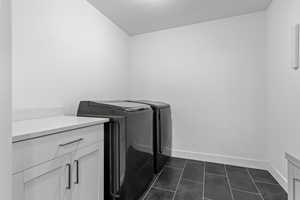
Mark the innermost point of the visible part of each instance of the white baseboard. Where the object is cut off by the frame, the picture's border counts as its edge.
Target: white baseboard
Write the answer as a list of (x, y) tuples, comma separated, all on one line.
[(224, 159), (233, 160), (279, 177)]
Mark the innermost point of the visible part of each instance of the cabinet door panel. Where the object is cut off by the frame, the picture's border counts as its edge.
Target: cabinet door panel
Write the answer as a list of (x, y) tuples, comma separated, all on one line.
[(296, 186), (89, 183), (297, 189), (47, 181)]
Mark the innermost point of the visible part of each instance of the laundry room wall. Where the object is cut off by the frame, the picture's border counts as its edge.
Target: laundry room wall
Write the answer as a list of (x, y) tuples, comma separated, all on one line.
[(283, 95), (5, 99), (65, 51), (213, 75)]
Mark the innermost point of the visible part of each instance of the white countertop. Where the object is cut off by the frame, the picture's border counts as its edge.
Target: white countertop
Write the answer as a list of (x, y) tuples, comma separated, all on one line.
[(28, 129)]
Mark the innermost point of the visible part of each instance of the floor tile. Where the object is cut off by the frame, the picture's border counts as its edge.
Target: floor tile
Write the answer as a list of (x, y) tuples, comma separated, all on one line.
[(215, 168), (176, 162), (217, 184), (189, 190), (239, 195), (216, 187), (194, 170), (156, 194), (272, 192), (262, 176), (240, 179), (168, 179)]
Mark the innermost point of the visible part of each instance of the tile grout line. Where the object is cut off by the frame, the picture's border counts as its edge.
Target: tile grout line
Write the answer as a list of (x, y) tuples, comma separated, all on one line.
[(162, 189), (209, 173), (181, 175), (192, 181), (265, 182), (252, 179), (152, 185), (203, 188), (245, 191), (228, 181)]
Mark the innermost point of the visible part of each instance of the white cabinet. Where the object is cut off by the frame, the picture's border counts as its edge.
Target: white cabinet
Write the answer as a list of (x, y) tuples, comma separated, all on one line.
[(73, 169), (48, 181), (87, 173), (293, 177)]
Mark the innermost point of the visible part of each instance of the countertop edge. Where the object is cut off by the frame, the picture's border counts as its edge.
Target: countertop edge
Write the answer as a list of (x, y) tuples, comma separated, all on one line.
[(37, 134)]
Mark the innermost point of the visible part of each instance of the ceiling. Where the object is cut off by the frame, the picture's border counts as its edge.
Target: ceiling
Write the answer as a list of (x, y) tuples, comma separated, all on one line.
[(142, 16)]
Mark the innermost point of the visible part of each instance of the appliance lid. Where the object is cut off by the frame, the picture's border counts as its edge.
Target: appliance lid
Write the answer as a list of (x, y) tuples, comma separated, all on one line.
[(157, 104), (125, 105)]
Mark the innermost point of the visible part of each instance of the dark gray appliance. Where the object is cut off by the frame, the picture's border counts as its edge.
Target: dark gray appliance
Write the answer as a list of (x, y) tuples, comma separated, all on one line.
[(128, 147), (162, 132)]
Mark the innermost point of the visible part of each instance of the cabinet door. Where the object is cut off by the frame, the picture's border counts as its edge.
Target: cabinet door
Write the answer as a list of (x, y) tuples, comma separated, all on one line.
[(294, 182), (48, 181), (88, 173)]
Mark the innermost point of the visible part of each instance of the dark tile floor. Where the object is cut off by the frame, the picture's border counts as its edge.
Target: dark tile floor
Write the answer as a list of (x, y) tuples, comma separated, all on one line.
[(195, 180)]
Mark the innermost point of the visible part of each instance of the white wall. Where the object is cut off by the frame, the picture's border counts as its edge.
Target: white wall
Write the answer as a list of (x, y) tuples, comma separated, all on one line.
[(5, 100), (65, 51), (283, 84), (213, 75)]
